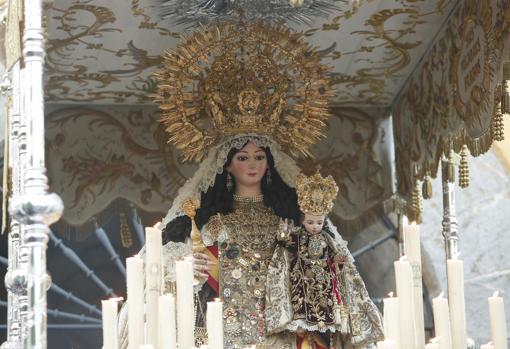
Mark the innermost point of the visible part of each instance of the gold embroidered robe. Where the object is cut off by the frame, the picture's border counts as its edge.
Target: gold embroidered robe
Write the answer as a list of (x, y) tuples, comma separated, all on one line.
[(364, 326), (246, 242)]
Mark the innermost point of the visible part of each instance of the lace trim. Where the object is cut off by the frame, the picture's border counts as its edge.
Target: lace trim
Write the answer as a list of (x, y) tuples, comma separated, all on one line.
[(214, 231), (366, 320), (302, 325), (207, 236), (172, 252)]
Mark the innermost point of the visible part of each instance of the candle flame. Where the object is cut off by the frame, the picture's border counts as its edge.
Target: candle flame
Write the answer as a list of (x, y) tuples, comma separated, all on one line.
[(441, 295), (169, 295), (117, 299), (403, 258), (435, 340), (157, 225), (495, 294), (217, 299), (413, 223), (390, 294)]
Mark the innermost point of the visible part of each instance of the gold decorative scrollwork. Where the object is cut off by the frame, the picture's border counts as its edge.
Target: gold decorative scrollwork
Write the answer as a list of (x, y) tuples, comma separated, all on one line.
[(451, 99)]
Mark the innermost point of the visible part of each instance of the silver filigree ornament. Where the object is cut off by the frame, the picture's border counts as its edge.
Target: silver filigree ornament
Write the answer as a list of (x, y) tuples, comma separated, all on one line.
[(44, 208), (16, 282), (11, 345), (191, 12)]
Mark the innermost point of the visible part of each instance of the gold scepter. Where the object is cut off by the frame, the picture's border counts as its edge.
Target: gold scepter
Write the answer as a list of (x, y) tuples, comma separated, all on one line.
[(189, 207)]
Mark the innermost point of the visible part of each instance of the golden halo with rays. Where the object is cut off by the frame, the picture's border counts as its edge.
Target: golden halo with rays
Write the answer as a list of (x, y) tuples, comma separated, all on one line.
[(238, 78)]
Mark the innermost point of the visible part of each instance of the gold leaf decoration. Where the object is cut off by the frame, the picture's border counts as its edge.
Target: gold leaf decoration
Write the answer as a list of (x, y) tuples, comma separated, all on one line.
[(243, 78)]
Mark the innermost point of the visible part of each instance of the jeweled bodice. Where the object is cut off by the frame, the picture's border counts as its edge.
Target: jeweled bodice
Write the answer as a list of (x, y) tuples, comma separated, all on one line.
[(244, 255)]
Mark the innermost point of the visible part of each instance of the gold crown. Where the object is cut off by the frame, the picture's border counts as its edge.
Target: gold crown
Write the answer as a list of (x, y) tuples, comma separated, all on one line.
[(239, 77), (316, 193)]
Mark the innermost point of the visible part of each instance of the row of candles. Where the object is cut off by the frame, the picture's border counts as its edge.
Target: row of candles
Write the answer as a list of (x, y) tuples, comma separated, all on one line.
[(403, 315), (162, 321), (158, 320)]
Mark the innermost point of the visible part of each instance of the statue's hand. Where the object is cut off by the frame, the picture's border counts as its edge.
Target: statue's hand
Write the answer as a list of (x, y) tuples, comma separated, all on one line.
[(201, 265), (284, 224), (284, 231)]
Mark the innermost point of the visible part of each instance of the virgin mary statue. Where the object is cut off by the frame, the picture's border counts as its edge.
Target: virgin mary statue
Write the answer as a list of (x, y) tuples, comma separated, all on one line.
[(245, 99)]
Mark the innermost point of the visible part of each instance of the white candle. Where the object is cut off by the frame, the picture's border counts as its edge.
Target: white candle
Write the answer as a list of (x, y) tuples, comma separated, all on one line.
[(153, 247), (391, 319), (405, 293), (456, 300), (432, 346), (146, 346), (215, 324), (442, 326), (412, 248), (135, 300), (185, 316), (167, 326), (487, 346), (109, 314), (498, 322)]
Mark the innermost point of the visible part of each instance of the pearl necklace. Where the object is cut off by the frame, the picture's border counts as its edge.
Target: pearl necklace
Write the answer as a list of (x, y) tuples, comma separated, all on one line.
[(248, 199)]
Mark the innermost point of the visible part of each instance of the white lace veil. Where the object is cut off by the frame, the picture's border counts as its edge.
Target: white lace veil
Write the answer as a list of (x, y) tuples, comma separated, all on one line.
[(213, 164)]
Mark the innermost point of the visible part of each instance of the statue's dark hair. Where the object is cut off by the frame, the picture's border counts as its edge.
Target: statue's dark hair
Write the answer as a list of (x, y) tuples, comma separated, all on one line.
[(277, 195)]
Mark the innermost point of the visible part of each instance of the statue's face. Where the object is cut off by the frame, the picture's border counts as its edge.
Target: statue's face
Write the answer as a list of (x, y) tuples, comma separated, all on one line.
[(313, 224), (248, 165)]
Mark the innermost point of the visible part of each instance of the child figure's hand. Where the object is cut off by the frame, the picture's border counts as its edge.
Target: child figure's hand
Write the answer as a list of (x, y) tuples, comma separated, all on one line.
[(283, 231)]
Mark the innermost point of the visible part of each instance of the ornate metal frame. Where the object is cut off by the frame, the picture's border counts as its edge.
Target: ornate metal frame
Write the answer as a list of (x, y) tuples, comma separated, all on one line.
[(31, 207)]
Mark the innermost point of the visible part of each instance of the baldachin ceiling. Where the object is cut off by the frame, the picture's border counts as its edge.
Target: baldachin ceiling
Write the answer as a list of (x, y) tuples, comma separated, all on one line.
[(104, 52)]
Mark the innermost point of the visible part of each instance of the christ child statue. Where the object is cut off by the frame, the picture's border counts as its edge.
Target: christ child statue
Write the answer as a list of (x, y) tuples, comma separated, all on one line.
[(316, 284)]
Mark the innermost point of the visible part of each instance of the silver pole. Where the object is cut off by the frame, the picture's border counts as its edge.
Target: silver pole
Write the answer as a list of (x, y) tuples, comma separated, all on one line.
[(15, 280), (35, 208), (19, 169), (450, 231)]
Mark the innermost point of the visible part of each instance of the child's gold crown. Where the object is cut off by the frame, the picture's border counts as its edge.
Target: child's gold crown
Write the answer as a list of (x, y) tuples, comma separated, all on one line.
[(316, 193)]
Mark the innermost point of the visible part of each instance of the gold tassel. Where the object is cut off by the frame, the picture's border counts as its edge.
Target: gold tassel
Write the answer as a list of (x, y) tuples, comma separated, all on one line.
[(426, 188), (125, 235), (416, 203), (464, 167), (498, 130)]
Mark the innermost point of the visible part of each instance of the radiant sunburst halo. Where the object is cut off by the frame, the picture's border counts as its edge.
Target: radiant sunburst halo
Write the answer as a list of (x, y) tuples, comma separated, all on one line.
[(242, 77)]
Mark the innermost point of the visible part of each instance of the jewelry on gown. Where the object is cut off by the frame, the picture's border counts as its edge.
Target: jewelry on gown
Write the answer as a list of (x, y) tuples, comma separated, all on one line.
[(230, 183)]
